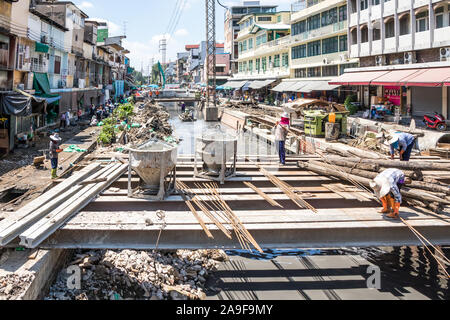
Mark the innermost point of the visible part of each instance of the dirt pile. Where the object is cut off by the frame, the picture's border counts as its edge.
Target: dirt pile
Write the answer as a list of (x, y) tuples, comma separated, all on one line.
[(154, 122), (139, 275)]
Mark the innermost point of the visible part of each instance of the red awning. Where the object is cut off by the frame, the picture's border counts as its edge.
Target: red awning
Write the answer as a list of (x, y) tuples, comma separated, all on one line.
[(357, 78), (447, 82), (395, 77), (433, 77)]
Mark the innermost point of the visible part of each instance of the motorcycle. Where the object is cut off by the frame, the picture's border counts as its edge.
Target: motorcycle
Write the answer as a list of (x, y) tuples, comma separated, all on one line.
[(436, 121)]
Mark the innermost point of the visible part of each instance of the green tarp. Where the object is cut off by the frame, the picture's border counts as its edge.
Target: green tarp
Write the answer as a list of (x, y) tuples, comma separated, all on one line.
[(40, 47), (41, 83)]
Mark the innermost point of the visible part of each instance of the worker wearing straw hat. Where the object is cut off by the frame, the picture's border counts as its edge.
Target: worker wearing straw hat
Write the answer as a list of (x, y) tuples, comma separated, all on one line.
[(55, 140), (387, 186), (281, 131)]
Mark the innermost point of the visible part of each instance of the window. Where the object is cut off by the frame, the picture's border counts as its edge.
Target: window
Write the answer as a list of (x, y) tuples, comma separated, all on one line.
[(240, 66), (270, 62), (265, 19), (244, 47), (220, 69), (422, 22), (299, 52), (276, 61), (279, 19), (343, 13), (258, 64), (314, 48), (330, 45), (343, 67), (376, 34), (329, 17), (314, 22), (439, 17), (343, 43), (330, 71), (314, 72), (300, 73), (250, 66), (299, 27), (405, 25), (244, 66), (285, 60), (375, 2), (364, 4), (264, 64), (57, 69), (250, 44), (390, 29)]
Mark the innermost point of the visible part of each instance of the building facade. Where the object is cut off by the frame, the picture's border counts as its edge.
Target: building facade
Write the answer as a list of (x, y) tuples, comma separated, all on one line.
[(404, 52), (232, 17)]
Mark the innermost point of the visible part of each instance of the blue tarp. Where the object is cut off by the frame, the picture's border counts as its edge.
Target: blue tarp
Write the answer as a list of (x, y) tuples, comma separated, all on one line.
[(51, 100)]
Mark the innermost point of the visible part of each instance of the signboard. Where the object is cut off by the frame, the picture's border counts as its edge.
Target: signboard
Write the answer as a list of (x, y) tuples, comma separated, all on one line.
[(393, 94)]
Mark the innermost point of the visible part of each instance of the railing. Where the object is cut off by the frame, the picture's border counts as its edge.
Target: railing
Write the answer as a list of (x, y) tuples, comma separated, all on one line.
[(327, 30), (39, 67), (6, 85)]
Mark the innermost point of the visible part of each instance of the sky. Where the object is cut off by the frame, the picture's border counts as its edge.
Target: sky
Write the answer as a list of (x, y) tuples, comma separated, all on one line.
[(147, 21)]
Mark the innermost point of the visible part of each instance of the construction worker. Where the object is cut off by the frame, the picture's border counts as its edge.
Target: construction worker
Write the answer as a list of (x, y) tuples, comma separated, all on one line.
[(55, 140), (387, 186), (281, 131), (404, 143)]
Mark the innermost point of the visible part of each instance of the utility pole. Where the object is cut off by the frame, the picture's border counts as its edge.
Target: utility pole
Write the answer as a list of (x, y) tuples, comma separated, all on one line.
[(211, 111)]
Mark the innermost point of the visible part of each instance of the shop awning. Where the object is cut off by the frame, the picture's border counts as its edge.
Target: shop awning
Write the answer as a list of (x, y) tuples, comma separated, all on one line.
[(317, 86), (357, 78), (259, 84), (394, 77), (41, 47), (284, 86), (41, 83), (433, 77), (52, 99), (20, 104), (299, 86), (235, 84), (447, 82)]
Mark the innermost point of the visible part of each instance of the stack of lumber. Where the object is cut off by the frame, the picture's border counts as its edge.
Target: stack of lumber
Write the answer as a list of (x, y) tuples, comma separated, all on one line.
[(39, 219), (442, 150), (424, 191)]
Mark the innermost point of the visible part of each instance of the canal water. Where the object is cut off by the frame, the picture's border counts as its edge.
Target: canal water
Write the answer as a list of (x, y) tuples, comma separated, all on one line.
[(401, 267)]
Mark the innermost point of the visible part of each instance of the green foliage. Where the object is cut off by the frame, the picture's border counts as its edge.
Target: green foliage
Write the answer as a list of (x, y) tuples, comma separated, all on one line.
[(124, 111), (349, 106)]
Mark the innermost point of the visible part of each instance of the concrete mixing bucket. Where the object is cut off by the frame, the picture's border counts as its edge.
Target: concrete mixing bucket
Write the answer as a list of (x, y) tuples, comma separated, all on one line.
[(149, 159), (216, 149)]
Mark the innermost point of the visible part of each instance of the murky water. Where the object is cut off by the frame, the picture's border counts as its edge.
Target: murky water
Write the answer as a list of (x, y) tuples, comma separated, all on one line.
[(400, 266)]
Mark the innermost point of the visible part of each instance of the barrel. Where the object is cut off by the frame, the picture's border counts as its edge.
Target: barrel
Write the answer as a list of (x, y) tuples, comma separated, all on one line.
[(332, 131)]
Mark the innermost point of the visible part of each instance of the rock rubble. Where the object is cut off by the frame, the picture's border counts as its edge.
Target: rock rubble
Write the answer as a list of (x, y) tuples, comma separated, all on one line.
[(139, 275)]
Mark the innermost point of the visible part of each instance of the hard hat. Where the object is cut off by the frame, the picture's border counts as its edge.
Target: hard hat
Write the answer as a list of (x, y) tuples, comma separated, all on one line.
[(381, 186)]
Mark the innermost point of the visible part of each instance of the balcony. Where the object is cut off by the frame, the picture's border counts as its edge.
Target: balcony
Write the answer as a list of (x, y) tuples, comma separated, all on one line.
[(420, 3), (364, 16), (330, 30), (317, 61), (390, 45), (404, 6), (389, 8), (376, 12), (422, 40), (441, 37), (365, 49), (354, 52), (270, 73), (376, 47), (405, 43), (353, 19), (39, 67)]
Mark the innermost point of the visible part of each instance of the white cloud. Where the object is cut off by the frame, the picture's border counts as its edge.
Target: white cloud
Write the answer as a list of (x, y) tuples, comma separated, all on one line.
[(181, 33), (113, 28), (86, 5)]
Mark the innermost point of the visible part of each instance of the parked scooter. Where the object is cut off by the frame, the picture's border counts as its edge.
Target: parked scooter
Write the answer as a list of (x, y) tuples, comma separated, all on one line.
[(436, 121)]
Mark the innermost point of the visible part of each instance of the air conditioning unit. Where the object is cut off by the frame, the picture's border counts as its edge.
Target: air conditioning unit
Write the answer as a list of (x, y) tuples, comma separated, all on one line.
[(21, 86), (344, 57), (44, 39), (445, 54), (61, 84), (325, 61), (409, 58), (380, 60)]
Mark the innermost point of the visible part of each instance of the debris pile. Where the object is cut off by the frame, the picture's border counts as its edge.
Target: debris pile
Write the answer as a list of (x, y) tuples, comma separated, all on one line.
[(12, 285), (143, 275), (154, 122)]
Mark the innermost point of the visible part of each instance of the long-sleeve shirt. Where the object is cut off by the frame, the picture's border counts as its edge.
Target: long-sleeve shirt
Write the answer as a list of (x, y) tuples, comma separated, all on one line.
[(281, 132), (404, 140), (395, 177), (53, 147)]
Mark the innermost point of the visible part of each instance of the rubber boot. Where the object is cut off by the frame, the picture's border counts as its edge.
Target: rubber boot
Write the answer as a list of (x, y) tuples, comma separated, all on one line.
[(54, 174), (391, 202), (396, 213), (385, 209)]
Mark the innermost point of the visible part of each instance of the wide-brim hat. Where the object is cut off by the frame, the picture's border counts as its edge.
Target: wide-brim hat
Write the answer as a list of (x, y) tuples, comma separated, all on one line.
[(55, 138), (392, 139), (285, 115), (381, 187)]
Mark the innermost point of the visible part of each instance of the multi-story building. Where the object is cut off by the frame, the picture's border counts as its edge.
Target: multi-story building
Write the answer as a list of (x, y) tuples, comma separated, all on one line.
[(232, 17), (48, 50), (404, 49), (263, 44), (181, 68), (318, 46)]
